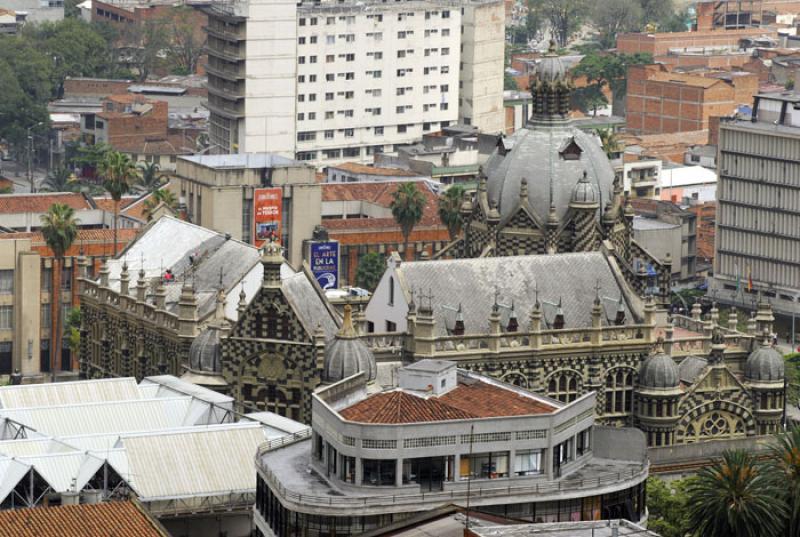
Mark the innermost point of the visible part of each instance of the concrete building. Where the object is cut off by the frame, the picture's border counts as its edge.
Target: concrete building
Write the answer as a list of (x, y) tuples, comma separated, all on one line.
[(217, 192), (382, 453), (353, 172), (758, 211), (641, 176), (666, 228), (35, 10), (28, 305), (330, 82), (658, 44), (688, 185)]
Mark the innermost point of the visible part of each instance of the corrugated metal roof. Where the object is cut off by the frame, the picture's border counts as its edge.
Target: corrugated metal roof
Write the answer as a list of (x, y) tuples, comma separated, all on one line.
[(276, 424), (116, 416), (11, 472), (193, 463), (33, 446), (69, 393), (170, 386), (59, 469)]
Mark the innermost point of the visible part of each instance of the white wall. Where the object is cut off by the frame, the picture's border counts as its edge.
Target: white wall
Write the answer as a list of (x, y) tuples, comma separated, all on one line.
[(380, 309)]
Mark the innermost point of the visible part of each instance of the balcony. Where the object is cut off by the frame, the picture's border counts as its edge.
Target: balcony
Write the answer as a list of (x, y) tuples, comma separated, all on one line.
[(226, 70), (225, 108), (227, 52), (225, 89), (227, 32)]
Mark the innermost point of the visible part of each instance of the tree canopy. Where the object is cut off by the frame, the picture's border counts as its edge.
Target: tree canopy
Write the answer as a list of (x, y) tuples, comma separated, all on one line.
[(370, 269), (408, 203)]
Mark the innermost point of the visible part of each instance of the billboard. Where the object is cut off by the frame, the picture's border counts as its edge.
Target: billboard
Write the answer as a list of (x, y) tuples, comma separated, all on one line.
[(267, 209), (325, 263)]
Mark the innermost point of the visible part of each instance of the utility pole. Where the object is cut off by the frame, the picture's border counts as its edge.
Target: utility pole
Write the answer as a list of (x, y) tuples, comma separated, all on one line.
[(30, 156)]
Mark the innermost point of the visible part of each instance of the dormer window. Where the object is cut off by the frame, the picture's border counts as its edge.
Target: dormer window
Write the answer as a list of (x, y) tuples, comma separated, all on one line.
[(571, 150)]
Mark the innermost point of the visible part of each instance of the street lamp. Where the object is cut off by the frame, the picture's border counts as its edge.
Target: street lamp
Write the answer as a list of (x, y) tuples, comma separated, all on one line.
[(30, 155)]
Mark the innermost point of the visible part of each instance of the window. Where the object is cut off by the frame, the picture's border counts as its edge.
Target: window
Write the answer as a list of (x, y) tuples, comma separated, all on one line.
[(583, 446), (528, 462), (619, 391), (350, 57), (306, 155), (348, 94), (376, 55), (563, 386), (306, 136), (445, 32), (562, 454), (391, 327), (329, 135), (330, 39), (485, 465), (426, 126), (348, 113), (445, 51), (444, 88), (351, 152), (349, 76), (328, 115), (301, 59), (401, 129), (391, 290), (329, 96), (66, 278), (445, 69), (6, 353), (301, 79), (302, 21), (350, 38), (312, 59), (374, 92), (312, 39), (375, 74), (312, 116), (301, 40), (446, 14), (6, 282), (349, 133), (301, 98), (46, 316), (330, 20), (312, 97), (332, 153), (379, 472), (330, 58), (301, 116), (443, 106), (378, 131), (312, 21), (330, 77), (401, 35), (6, 317)]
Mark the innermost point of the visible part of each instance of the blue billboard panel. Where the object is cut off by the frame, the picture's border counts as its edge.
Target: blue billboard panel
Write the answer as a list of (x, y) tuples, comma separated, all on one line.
[(325, 264)]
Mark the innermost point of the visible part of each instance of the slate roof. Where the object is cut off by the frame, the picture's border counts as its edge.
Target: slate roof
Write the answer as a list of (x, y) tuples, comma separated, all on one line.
[(569, 277), (476, 399), (120, 519), (304, 295), (534, 155), (690, 368)]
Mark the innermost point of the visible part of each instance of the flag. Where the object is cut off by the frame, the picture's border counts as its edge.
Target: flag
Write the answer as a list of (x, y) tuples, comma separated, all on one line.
[(738, 279)]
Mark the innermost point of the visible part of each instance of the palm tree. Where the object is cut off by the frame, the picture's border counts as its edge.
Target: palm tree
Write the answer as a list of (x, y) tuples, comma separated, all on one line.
[(60, 228), (150, 179), (407, 205), (736, 497), (786, 458), (119, 173), (450, 210), (59, 180), (157, 198), (609, 141)]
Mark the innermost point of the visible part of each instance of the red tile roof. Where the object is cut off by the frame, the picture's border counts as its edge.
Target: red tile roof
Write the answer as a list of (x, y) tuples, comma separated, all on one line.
[(380, 194), (40, 203), (107, 204), (120, 519), (95, 235), (466, 401)]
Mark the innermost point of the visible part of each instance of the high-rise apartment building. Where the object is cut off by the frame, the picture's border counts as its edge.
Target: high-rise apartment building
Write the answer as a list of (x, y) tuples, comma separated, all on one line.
[(758, 212), (332, 81)]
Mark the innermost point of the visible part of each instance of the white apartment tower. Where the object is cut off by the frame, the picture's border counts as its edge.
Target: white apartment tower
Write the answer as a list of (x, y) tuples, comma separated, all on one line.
[(329, 81)]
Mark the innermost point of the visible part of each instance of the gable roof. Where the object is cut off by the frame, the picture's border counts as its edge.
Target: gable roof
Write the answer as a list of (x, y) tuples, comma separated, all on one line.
[(69, 393), (569, 278), (40, 203)]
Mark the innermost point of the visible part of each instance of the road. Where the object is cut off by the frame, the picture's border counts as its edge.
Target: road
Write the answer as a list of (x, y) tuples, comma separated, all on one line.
[(18, 174)]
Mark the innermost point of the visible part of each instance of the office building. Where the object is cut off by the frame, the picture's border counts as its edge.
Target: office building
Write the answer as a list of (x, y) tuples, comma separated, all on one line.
[(758, 211), (441, 435), (328, 82)]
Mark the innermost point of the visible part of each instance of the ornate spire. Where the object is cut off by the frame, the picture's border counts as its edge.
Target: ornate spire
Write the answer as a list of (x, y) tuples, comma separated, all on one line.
[(347, 331), (458, 327), (242, 305), (513, 324), (558, 321), (551, 89)]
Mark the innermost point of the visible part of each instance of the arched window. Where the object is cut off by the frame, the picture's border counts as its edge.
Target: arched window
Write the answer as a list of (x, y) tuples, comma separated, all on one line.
[(564, 386), (619, 391), (391, 290)]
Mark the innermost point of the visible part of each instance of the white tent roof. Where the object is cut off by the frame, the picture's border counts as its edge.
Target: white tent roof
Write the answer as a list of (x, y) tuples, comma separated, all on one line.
[(69, 393)]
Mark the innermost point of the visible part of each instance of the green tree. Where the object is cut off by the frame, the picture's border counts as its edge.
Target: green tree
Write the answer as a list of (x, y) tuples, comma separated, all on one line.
[(589, 99), (736, 497), (60, 228), (145, 45), (19, 110), (786, 459), (73, 330), (408, 203), (450, 210), (75, 47), (149, 178), (657, 11), (158, 197), (90, 156), (509, 82), (370, 269), (675, 22), (667, 505), (609, 70), (59, 180), (612, 17), (185, 43), (609, 141), (565, 16), (119, 173)]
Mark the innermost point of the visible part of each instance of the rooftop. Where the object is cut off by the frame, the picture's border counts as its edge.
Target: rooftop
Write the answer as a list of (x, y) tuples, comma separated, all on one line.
[(120, 519), (354, 167), (599, 528), (642, 223), (248, 161), (472, 398), (40, 203), (686, 80)]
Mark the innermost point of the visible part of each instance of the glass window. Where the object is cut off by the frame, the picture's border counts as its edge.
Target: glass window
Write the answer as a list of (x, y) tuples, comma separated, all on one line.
[(6, 353), (66, 278), (485, 465), (528, 462), (379, 472), (47, 279), (584, 442), (6, 317), (46, 316), (6, 282), (348, 469)]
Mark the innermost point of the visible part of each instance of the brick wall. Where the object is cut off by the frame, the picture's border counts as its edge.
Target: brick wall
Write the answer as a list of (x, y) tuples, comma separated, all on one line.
[(95, 86), (710, 61), (659, 44), (132, 129)]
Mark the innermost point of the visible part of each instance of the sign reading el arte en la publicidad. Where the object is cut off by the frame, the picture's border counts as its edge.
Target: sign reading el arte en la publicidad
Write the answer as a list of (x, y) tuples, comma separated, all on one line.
[(325, 264)]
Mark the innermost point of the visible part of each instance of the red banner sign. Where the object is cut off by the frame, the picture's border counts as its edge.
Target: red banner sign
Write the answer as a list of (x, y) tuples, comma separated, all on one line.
[(267, 209)]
